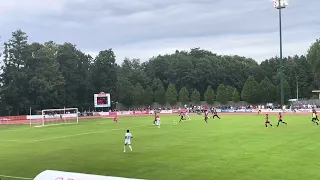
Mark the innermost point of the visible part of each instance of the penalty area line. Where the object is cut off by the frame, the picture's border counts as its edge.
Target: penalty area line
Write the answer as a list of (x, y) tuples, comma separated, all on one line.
[(14, 177), (81, 134), (88, 133)]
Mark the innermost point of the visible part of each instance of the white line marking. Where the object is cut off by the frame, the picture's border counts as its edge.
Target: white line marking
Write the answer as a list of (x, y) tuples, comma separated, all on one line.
[(14, 177), (13, 140), (46, 125), (81, 134)]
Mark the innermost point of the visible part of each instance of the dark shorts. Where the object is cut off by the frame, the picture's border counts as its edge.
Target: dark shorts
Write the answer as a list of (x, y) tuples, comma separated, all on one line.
[(267, 122), (280, 120)]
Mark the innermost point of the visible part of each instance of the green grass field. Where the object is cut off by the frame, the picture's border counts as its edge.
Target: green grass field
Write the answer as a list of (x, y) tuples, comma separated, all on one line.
[(236, 147)]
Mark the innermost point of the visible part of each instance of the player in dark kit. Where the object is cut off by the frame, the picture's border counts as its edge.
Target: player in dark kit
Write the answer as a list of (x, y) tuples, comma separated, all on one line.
[(181, 116), (155, 118), (281, 120), (259, 111), (206, 116), (267, 121), (215, 114), (315, 117), (315, 112)]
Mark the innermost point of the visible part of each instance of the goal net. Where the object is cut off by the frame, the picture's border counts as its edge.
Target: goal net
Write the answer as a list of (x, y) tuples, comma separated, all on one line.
[(57, 117)]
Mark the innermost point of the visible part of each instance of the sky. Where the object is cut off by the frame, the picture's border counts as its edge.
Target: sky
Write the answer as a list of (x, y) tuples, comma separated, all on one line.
[(146, 28)]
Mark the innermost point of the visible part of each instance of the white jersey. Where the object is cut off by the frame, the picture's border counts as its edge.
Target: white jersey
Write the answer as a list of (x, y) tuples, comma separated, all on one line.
[(127, 139), (187, 115), (158, 121)]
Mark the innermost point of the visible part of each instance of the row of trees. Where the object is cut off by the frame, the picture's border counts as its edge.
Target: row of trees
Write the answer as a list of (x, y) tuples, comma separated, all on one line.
[(146, 96), (252, 92), (50, 75)]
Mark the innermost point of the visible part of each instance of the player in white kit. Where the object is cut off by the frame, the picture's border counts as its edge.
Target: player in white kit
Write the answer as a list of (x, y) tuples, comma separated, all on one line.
[(127, 140), (158, 121), (187, 114)]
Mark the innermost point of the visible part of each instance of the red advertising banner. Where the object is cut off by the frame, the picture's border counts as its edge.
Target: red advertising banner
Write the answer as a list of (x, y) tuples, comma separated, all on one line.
[(124, 112), (113, 113), (175, 110)]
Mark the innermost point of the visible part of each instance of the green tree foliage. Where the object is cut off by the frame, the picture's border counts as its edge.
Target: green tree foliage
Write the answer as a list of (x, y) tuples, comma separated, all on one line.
[(222, 94), (50, 75), (286, 91), (209, 95), (44, 90), (171, 95), (148, 96), (138, 94), (250, 91), (313, 57), (266, 91), (235, 95), (160, 94), (104, 78), (184, 96), (229, 93), (195, 96), (133, 70), (125, 91), (315, 97), (14, 77)]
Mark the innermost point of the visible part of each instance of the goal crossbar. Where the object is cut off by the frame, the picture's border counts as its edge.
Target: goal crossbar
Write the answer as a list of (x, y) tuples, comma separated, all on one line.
[(58, 117)]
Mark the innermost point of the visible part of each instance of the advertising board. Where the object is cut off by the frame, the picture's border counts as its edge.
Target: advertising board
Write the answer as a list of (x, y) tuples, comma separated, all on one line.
[(166, 112), (140, 112), (226, 110), (124, 112), (60, 175)]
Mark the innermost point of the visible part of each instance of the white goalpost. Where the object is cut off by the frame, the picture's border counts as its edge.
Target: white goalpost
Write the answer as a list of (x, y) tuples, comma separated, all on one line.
[(51, 117)]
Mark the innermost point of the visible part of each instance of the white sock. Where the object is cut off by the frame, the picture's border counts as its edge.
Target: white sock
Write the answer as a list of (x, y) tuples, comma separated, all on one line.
[(130, 147), (124, 149)]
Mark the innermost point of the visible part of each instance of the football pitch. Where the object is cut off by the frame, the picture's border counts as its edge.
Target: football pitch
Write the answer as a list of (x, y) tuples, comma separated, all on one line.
[(235, 147)]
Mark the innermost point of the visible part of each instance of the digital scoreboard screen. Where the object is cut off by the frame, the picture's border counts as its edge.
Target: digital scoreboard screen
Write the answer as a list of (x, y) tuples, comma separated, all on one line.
[(101, 100)]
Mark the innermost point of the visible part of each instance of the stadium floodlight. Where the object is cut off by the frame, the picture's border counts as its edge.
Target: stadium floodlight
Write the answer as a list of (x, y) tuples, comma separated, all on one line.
[(57, 117), (281, 4)]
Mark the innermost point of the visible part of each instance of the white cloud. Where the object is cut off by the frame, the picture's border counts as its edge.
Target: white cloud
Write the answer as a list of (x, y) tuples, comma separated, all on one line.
[(33, 7), (257, 46)]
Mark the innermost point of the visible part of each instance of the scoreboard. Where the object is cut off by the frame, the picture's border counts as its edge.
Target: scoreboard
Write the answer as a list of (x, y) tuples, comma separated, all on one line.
[(101, 100)]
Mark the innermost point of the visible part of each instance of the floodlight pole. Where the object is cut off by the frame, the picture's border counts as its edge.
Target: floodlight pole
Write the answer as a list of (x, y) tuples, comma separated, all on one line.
[(281, 4), (281, 59)]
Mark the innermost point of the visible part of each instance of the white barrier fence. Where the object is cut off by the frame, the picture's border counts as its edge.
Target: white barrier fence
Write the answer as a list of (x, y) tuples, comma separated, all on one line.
[(60, 175)]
